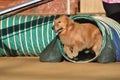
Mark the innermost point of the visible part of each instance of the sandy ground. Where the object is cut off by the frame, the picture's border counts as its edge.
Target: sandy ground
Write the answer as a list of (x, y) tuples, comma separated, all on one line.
[(29, 68)]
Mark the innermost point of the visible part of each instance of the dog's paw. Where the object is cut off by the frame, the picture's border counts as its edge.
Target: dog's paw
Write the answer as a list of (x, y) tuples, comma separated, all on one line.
[(70, 56)]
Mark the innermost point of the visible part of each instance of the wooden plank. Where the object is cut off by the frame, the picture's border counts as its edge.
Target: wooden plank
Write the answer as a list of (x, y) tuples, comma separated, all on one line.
[(91, 6)]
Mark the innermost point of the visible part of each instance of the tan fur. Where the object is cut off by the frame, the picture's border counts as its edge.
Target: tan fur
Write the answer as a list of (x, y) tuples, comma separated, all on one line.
[(75, 36)]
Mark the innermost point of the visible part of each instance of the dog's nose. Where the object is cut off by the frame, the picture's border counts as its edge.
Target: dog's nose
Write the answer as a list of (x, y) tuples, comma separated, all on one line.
[(53, 28)]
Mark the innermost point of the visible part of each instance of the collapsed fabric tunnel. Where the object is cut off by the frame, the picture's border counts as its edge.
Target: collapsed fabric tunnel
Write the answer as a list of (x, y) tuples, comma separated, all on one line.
[(33, 36)]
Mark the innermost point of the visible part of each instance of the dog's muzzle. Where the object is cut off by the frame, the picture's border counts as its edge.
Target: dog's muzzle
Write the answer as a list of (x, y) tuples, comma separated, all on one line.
[(58, 30), (53, 28)]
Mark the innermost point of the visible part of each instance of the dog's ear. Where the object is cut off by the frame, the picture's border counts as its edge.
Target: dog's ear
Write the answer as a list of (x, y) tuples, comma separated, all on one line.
[(69, 21)]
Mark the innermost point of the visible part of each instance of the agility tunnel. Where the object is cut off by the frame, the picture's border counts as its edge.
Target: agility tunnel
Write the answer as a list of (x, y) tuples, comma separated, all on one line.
[(33, 36)]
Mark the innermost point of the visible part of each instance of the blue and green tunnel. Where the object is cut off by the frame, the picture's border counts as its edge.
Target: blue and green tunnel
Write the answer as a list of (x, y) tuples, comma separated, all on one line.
[(33, 36)]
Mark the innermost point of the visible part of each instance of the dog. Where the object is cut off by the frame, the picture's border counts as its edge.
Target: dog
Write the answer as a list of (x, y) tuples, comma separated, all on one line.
[(77, 36)]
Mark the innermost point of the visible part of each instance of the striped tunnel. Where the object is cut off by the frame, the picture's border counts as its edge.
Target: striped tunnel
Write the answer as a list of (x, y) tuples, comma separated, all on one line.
[(25, 35)]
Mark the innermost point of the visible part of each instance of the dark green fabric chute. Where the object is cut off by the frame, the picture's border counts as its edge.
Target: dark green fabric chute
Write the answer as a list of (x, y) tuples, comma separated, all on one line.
[(52, 52)]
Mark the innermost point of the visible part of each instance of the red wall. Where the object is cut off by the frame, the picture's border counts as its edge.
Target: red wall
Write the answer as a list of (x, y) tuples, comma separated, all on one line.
[(53, 7)]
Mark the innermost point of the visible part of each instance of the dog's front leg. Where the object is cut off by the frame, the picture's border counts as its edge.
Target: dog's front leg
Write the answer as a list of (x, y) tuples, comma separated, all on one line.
[(68, 51), (97, 46), (75, 51)]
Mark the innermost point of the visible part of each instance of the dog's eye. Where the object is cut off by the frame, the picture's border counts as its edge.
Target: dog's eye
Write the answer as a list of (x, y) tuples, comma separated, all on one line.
[(59, 21)]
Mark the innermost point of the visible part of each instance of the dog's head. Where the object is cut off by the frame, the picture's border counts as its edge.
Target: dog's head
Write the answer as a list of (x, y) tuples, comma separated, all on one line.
[(61, 24)]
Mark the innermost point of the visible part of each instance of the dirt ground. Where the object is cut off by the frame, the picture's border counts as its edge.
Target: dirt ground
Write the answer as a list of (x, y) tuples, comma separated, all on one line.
[(30, 68)]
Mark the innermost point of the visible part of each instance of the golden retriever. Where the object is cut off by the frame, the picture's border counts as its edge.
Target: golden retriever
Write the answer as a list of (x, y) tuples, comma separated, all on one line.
[(76, 37)]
